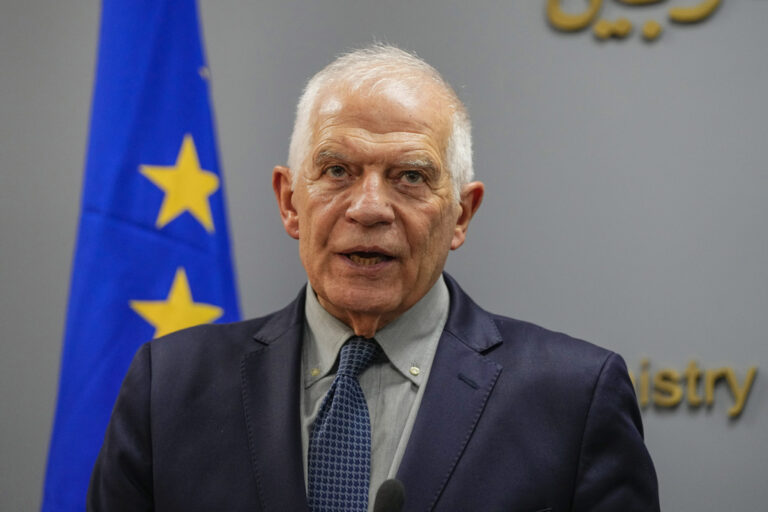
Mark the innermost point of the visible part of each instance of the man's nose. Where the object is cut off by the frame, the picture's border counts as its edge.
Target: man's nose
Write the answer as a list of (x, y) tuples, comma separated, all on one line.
[(370, 203)]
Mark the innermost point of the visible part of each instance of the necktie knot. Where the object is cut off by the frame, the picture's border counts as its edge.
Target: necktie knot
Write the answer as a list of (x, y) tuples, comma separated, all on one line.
[(357, 354)]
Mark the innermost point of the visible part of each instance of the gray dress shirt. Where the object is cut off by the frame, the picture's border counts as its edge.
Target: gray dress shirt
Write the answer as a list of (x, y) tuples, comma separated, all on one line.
[(393, 387)]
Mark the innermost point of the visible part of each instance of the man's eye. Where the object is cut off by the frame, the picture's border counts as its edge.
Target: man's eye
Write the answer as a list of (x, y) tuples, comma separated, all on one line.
[(336, 171), (412, 177)]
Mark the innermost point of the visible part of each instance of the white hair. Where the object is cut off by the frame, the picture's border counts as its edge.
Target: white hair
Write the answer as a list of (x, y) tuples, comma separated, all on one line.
[(373, 67)]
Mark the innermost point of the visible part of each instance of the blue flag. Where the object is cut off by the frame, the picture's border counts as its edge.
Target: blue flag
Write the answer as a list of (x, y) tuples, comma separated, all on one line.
[(152, 254)]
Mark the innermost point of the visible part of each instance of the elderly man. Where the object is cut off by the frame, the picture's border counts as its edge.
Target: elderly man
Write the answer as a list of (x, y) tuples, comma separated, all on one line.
[(382, 367)]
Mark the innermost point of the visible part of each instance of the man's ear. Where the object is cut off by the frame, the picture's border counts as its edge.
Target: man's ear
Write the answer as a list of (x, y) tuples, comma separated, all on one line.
[(281, 184), (471, 197)]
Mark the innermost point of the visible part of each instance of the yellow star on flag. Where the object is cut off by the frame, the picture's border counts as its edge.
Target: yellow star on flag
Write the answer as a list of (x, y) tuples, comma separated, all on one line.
[(178, 310), (187, 187)]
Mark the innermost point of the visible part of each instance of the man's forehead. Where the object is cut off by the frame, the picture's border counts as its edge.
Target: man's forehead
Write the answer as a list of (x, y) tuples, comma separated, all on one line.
[(384, 109), (402, 95), (406, 95), (386, 96)]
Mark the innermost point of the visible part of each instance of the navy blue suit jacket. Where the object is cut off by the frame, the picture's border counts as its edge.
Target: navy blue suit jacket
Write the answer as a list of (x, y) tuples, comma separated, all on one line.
[(514, 418)]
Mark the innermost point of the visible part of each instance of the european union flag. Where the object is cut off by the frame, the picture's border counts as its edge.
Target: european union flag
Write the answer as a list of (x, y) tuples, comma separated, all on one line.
[(152, 253)]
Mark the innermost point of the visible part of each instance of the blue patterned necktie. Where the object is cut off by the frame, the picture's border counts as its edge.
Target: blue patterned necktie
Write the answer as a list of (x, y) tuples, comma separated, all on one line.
[(340, 443)]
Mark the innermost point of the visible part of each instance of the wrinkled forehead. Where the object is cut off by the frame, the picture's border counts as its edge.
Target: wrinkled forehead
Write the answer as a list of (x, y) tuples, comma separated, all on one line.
[(384, 105)]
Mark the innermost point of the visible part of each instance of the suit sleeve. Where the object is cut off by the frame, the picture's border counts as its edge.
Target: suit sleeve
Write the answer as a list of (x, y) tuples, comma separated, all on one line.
[(615, 471), (122, 476)]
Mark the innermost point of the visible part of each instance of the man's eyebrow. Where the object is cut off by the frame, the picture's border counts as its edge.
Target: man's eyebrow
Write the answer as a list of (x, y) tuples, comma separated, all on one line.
[(419, 163), (326, 155), (425, 164)]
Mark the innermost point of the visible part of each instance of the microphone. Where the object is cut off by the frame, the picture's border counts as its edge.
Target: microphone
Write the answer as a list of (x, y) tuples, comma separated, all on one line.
[(390, 496)]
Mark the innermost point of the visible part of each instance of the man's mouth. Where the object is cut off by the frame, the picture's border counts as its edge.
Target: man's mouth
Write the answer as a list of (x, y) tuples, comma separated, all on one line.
[(367, 258)]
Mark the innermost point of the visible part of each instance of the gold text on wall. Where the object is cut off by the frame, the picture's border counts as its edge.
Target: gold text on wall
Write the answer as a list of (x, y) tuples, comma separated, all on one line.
[(666, 388), (620, 28)]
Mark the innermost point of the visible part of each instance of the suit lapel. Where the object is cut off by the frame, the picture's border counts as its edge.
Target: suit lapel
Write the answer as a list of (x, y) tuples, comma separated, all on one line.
[(270, 387), (460, 383)]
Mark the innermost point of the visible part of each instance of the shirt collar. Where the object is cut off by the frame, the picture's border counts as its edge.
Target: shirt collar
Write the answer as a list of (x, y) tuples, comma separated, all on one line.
[(409, 341)]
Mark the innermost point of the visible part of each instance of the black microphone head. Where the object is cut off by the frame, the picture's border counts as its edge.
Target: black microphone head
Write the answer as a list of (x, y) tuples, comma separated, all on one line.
[(390, 496)]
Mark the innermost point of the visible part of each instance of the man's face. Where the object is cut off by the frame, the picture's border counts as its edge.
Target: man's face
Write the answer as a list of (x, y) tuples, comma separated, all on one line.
[(373, 207)]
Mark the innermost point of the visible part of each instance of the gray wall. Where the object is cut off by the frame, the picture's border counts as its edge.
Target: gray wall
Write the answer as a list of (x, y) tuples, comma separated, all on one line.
[(626, 198)]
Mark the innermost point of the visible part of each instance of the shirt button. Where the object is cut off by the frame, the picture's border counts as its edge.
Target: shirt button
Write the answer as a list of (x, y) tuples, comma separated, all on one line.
[(414, 370), (314, 372)]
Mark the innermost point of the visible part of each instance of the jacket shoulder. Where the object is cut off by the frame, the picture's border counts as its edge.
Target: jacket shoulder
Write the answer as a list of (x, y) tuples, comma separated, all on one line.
[(511, 340), (211, 343), (529, 336)]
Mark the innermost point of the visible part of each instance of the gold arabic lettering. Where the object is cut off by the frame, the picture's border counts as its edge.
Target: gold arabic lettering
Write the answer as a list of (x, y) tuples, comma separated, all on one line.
[(695, 13), (572, 22), (639, 2), (622, 27)]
